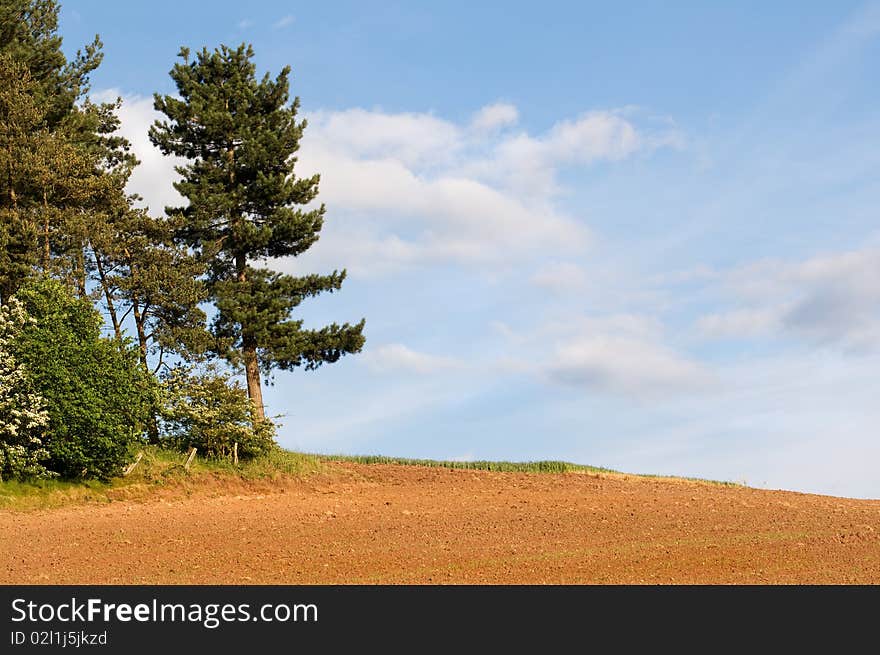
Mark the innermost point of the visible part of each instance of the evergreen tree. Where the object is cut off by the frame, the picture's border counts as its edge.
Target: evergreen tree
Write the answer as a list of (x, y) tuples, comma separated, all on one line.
[(56, 185), (44, 177), (29, 35), (144, 275), (20, 140), (61, 166), (246, 205), (147, 279)]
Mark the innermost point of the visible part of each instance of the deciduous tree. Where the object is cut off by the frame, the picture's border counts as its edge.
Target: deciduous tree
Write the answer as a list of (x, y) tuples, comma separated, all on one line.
[(97, 396)]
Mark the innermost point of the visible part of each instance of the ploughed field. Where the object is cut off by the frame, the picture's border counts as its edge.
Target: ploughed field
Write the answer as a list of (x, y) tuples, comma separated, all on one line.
[(373, 523)]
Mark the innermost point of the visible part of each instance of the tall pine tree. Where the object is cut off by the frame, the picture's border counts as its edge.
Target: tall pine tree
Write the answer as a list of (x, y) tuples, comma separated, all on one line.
[(29, 34), (246, 205), (61, 165)]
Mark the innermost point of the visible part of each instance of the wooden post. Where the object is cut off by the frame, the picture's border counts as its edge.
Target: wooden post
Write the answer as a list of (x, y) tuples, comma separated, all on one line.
[(235, 453), (130, 467), (190, 458)]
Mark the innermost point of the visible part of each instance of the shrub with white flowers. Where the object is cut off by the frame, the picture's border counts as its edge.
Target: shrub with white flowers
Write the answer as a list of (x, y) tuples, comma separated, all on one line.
[(23, 415), (209, 411)]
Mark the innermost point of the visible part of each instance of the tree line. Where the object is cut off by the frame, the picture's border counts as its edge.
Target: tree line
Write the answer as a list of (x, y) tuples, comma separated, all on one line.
[(189, 298)]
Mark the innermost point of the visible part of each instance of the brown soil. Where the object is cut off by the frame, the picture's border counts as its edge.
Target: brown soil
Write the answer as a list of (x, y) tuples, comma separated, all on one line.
[(400, 524)]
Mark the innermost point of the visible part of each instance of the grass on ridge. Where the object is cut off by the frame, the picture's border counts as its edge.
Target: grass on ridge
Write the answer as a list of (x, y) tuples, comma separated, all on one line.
[(159, 468), (543, 466)]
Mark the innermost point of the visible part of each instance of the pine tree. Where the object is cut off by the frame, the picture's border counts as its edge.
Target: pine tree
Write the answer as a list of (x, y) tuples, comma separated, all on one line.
[(29, 35), (246, 205), (61, 166), (143, 274), (44, 178), (20, 141), (56, 185)]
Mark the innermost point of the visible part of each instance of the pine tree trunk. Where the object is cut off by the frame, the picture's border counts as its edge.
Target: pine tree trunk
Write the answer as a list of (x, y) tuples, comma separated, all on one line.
[(252, 371), (141, 334), (249, 352), (139, 316), (46, 249), (80, 272), (248, 341), (111, 306), (153, 421)]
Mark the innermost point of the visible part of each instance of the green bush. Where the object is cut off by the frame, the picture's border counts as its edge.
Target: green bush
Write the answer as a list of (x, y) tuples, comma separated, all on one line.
[(23, 416), (97, 395), (208, 411)]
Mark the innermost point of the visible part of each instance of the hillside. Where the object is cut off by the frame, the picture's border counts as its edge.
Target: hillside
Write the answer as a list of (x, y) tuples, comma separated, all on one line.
[(386, 523)]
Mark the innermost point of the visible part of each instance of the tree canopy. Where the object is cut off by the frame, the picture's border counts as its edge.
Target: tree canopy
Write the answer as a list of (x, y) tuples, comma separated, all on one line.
[(246, 206), (81, 259)]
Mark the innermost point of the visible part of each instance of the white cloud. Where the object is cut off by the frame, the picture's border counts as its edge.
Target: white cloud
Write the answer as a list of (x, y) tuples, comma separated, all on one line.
[(412, 139), (493, 117), (154, 177), (620, 353), (831, 299), (636, 326), (560, 277), (739, 323), (596, 135), (436, 190), (397, 357), (626, 365), (245, 24), (528, 165), (283, 22), (429, 218), (409, 189)]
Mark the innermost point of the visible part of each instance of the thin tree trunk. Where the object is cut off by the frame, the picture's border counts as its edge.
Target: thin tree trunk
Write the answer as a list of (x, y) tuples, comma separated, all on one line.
[(80, 272), (249, 353), (7, 287), (252, 372), (111, 306), (139, 318), (161, 357), (248, 341), (46, 250), (141, 333)]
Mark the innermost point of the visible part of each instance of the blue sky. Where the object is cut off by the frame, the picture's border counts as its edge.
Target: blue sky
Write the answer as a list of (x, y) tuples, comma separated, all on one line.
[(641, 236)]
